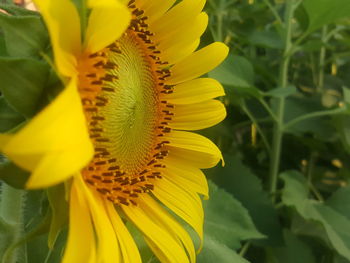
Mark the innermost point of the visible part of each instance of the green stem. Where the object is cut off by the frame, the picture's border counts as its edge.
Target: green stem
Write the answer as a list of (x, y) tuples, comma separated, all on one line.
[(11, 211), (274, 11), (316, 193), (268, 109), (219, 33), (320, 84), (310, 173), (244, 249), (249, 122), (258, 127), (283, 82), (314, 115)]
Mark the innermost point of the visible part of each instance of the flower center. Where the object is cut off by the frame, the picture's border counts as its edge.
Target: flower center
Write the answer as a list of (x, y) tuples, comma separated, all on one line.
[(122, 88), (132, 112)]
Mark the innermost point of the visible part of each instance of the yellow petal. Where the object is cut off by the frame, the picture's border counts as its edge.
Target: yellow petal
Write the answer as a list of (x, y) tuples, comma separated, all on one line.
[(4, 139), (165, 246), (108, 250), (185, 34), (181, 13), (81, 236), (108, 20), (63, 23), (198, 63), (128, 247), (186, 204), (162, 217), (155, 8), (59, 131), (195, 91), (178, 53), (157, 251), (55, 168), (192, 148), (182, 174), (185, 37), (198, 116)]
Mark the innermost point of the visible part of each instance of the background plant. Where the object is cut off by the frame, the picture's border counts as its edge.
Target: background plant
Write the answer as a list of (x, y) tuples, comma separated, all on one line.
[(283, 195)]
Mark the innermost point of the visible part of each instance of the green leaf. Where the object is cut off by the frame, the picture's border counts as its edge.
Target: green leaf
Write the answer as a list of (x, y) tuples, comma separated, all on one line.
[(336, 226), (346, 94), (13, 9), (320, 127), (3, 51), (340, 201), (339, 259), (295, 250), (13, 175), (235, 71), (214, 251), (59, 208), (22, 83), (226, 220), (9, 118), (6, 236), (323, 12), (342, 124), (295, 191), (281, 92), (238, 73), (239, 180), (25, 34), (269, 39)]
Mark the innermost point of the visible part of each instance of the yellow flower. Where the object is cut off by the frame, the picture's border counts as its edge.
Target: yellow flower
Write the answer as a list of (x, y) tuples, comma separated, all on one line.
[(120, 128)]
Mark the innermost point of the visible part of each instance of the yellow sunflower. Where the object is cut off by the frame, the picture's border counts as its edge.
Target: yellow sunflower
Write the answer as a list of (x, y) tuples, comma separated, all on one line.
[(119, 131)]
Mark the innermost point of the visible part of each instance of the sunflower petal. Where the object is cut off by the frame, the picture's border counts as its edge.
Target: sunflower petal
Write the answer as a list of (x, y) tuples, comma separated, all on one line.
[(186, 204), (180, 51), (162, 217), (193, 148), (164, 244), (198, 116), (182, 13), (81, 236), (108, 20), (65, 162), (59, 131), (155, 8), (182, 174), (108, 250), (185, 37), (63, 23), (198, 63), (184, 32), (128, 247), (195, 91)]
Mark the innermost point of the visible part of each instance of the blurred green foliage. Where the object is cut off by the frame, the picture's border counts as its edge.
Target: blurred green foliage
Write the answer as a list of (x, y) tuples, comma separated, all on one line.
[(286, 137)]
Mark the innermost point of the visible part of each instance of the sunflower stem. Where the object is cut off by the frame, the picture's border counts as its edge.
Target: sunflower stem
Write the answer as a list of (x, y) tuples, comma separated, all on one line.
[(320, 84), (283, 83), (219, 33), (11, 212)]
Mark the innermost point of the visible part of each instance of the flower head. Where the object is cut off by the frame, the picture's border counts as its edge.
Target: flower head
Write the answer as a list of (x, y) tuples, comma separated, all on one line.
[(120, 128)]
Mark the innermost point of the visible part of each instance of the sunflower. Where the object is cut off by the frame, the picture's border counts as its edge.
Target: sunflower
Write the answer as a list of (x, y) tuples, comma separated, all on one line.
[(119, 132)]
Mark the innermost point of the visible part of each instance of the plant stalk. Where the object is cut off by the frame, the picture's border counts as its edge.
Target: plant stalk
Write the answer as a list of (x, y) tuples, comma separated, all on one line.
[(320, 84), (283, 82)]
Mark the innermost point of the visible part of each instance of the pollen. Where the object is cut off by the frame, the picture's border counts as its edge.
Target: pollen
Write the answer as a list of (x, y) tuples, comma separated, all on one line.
[(120, 88)]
